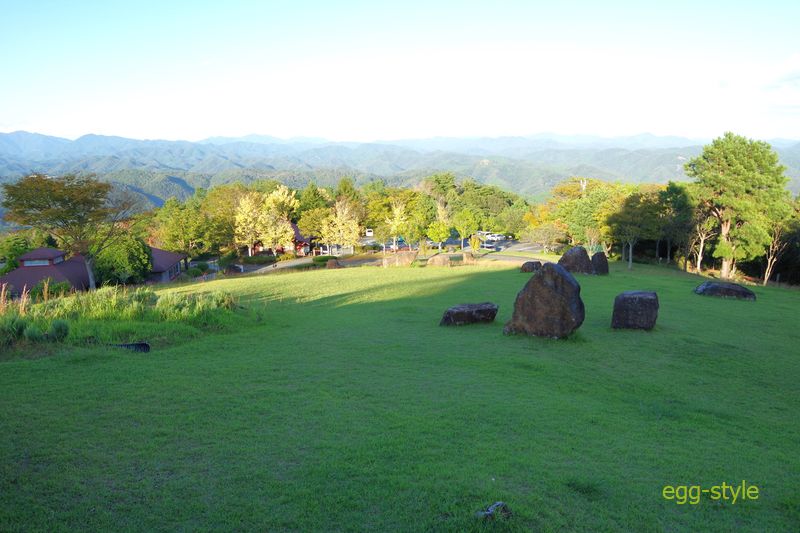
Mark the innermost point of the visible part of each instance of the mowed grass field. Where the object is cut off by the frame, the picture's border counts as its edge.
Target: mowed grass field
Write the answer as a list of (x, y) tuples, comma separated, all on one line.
[(347, 408)]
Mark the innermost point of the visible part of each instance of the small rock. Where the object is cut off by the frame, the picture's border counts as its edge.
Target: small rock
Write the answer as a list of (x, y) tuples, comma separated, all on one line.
[(439, 260), (723, 289), (635, 310), (577, 261), (600, 264), (462, 314), (549, 305), (531, 266)]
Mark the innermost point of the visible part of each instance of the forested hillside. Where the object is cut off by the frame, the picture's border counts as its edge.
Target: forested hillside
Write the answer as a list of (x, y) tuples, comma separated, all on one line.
[(528, 165)]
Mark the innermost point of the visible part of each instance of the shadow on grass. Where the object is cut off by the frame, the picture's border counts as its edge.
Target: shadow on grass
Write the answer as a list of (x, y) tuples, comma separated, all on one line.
[(348, 407)]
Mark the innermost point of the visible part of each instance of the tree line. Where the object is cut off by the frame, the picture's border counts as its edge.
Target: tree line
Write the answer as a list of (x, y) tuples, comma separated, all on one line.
[(736, 212)]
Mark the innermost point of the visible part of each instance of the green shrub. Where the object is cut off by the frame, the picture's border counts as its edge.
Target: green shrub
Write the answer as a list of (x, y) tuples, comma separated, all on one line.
[(321, 259), (59, 329), (202, 267), (110, 309), (11, 329), (259, 260), (33, 333), (287, 257), (50, 288), (192, 307), (194, 272)]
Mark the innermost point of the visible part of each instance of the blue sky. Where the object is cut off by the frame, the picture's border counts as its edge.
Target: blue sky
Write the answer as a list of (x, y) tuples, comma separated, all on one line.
[(378, 70)]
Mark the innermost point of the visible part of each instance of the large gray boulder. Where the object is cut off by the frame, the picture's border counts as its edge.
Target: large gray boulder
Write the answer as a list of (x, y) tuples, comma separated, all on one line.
[(439, 260), (576, 260), (531, 266), (462, 314), (600, 264), (723, 289), (635, 310), (549, 305)]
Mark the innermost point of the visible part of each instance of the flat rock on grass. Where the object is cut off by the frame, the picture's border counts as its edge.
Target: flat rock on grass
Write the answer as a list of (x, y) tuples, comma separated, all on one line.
[(439, 260), (600, 264), (531, 266), (333, 263), (549, 305), (576, 260), (463, 314), (723, 289), (635, 310), (399, 259)]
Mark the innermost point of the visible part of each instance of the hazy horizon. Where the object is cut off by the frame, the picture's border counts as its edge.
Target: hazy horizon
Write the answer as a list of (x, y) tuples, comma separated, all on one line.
[(365, 72), (311, 137)]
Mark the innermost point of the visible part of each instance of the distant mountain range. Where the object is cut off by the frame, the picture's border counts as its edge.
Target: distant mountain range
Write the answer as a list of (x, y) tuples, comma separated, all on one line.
[(528, 165)]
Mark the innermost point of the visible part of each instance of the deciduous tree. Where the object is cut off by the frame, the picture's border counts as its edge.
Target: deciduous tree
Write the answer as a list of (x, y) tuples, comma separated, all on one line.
[(250, 220), (341, 227), (85, 214), (438, 231), (465, 223)]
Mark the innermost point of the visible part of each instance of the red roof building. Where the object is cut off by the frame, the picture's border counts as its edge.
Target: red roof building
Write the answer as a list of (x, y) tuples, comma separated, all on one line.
[(166, 265), (42, 263)]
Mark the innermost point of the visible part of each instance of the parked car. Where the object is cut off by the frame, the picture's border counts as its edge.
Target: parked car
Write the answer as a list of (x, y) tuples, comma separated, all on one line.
[(401, 246)]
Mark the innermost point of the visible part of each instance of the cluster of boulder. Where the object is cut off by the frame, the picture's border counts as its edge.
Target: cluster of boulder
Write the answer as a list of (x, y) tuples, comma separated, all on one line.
[(577, 261), (550, 304)]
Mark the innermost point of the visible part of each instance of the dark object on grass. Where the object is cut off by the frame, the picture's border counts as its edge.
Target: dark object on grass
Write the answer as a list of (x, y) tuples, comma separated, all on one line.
[(635, 310), (495, 510), (576, 260), (531, 266), (600, 264), (723, 289), (549, 305), (462, 314), (333, 263), (143, 347)]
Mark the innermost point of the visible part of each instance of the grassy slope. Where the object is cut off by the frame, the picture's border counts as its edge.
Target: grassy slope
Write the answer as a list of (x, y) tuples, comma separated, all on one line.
[(348, 408)]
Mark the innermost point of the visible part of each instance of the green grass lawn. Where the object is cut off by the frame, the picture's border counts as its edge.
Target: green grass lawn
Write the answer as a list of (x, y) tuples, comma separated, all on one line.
[(345, 407)]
